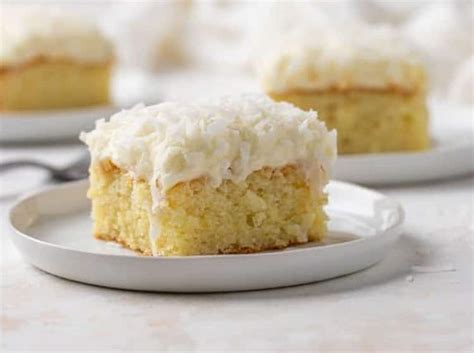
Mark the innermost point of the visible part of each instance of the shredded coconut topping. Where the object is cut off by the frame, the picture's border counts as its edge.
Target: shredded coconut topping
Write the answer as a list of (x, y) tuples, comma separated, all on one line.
[(340, 58), (224, 139), (30, 32)]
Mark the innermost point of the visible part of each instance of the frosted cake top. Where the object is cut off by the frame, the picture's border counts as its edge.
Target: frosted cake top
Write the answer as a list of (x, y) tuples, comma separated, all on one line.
[(359, 57), (30, 32), (227, 138)]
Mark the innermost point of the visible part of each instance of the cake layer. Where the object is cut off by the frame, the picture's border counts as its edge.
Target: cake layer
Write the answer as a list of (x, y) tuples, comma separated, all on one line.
[(369, 121), (272, 208), (47, 84), (29, 33)]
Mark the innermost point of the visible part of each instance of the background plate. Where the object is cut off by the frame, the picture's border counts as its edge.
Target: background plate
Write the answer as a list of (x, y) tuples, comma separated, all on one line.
[(48, 125), (52, 229)]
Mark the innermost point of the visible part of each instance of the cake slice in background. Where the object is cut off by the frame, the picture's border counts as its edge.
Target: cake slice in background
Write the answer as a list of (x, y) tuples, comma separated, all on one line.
[(237, 175), (51, 59), (366, 82)]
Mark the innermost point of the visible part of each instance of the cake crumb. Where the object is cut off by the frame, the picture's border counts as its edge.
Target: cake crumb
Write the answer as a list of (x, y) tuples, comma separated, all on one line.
[(113, 244)]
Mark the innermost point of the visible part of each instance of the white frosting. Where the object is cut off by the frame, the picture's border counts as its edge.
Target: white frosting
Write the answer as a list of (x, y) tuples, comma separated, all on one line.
[(340, 58), (27, 33), (228, 138)]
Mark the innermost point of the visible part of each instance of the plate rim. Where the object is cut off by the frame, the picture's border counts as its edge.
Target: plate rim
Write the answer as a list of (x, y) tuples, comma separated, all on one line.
[(406, 154), (393, 227), (49, 126)]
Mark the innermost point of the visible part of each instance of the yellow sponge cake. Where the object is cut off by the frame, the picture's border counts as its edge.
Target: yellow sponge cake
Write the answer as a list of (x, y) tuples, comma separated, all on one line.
[(237, 175), (50, 59)]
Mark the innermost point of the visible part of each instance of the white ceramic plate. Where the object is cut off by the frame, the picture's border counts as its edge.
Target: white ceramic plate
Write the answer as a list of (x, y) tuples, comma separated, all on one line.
[(50, 125), (52, 230), (452, 154)]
